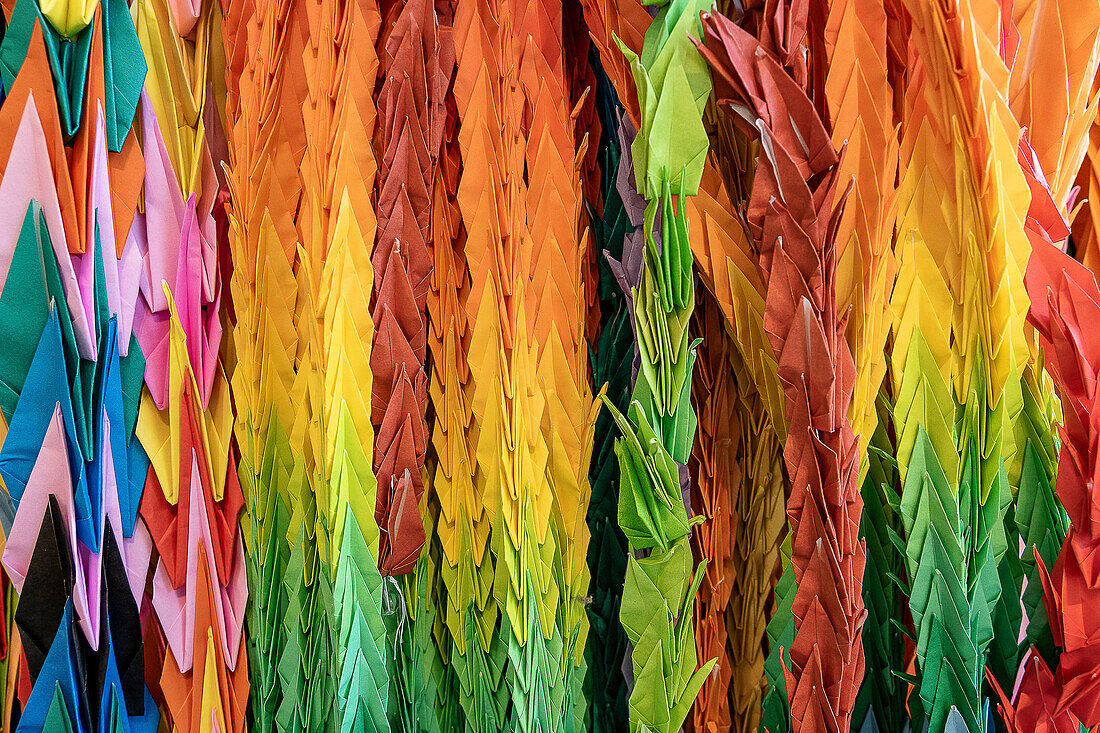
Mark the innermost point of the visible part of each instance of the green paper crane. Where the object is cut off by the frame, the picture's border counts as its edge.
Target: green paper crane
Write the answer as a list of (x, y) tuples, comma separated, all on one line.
[(659, 426)]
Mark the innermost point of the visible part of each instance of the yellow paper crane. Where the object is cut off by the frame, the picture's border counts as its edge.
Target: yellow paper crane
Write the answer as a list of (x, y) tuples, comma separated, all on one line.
[(69, 17)]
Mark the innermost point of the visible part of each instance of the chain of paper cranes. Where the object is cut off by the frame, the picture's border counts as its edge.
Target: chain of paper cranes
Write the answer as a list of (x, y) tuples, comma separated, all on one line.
[(550, 366)]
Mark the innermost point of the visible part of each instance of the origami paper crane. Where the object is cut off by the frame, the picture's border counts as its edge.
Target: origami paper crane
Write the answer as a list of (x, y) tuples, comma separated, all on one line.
[(792, 220), (431, 231), (412, 102)]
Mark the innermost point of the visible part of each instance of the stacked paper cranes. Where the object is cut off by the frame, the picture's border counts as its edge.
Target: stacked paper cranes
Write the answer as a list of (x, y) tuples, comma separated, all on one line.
[(661, 578), (587, 366), (413, 97), (514, 507), (1046, 701), (793, 223), (123, 547)]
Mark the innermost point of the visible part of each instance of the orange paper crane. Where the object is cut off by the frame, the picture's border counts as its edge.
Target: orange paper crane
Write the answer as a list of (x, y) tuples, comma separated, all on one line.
[(625, 20), (793, 223), (345, 164), (474, 341), (726, 265), (1057, 39), (556, 317), (452, 483), (266, 296), (761, 503), (859, 97), (1064, 298), (210, 695), (717, 479), (459, 517), (415, 71), (519, 200), (302, 101)]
